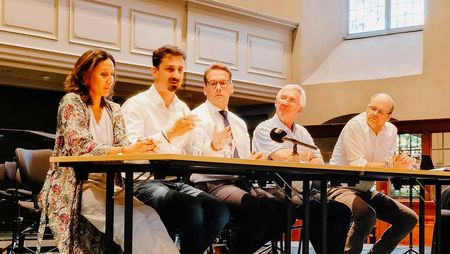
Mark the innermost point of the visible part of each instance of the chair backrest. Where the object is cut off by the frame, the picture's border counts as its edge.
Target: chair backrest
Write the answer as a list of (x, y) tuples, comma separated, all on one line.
[(33, 166), (426, 162), (11, 170)]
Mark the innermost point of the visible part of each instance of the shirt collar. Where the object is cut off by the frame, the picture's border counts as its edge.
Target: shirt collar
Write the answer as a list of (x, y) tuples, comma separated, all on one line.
[(213, 108), (280, 123), (156, 98)]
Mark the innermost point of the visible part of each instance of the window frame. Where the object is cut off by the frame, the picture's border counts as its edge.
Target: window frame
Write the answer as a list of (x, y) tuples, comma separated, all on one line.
[(385, 31)]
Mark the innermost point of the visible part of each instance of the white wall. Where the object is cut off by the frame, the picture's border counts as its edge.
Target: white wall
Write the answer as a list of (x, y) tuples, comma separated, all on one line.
[(49, 35), (421, 96), (372, 58), (321, 31)]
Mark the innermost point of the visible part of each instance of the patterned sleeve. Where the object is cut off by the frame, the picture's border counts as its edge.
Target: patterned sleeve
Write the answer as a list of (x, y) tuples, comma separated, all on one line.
[(73, 124)]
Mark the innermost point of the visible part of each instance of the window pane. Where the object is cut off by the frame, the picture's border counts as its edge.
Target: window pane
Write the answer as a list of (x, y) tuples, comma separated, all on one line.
[(436, 140), (437, 157), (366, 15), (411, 144), (446, 140), (406, 13)]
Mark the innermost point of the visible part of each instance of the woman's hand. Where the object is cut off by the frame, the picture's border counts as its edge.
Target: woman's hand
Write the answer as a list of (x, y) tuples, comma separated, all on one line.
[(142, 145)]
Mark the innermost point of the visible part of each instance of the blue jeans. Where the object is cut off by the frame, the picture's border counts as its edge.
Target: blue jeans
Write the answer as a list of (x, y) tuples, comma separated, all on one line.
[(198, 216)]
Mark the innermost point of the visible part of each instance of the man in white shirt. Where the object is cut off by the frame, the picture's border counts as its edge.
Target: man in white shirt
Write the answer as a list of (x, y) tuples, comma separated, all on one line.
[(259, 215), (365, 141), (289, 103), (158, 114)]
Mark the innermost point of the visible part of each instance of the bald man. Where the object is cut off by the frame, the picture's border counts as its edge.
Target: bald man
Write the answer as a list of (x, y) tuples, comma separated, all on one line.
[(365, 141)]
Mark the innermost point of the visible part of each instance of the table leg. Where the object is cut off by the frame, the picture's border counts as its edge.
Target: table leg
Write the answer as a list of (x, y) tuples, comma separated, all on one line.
[(438, 219), (128, 230), (422, 221), (109, 212), (306, 217), (323, 201), (287, 235)]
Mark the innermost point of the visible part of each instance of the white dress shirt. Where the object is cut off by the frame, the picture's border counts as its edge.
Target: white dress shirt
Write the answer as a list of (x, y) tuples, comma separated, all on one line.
[(210, 118), (358, 145), (263, 143), (146, 115)]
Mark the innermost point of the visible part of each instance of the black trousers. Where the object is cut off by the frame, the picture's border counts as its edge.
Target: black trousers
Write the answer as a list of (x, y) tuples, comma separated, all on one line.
[(445, 224), (338, 221), (198, 216), (258, 215)]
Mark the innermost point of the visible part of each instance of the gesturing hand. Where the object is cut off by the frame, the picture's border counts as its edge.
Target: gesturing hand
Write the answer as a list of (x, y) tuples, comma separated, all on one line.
[(182, 126), (219, 137)]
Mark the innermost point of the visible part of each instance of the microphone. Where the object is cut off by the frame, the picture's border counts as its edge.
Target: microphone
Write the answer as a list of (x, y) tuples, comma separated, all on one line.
[(279, 135)]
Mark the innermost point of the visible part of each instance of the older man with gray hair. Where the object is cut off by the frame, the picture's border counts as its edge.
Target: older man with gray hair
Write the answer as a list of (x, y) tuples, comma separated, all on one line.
[(289, 103), (365, 141)]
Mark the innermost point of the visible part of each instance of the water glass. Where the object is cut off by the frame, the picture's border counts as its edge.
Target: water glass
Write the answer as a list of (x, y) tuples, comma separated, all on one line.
[(198, 144), (304, 156), (389, 159), (416, 160), (227, 148)]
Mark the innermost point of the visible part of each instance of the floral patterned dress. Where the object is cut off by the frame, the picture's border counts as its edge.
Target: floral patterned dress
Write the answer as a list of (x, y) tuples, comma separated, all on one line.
[(60, 197)]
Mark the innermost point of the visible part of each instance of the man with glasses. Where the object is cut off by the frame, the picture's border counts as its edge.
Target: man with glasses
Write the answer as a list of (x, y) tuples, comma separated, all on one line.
[(289, 103), (259, 216), (366, 140)]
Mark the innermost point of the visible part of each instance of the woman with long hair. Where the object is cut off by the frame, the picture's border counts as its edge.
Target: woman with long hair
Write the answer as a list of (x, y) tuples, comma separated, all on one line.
[(89, 123)]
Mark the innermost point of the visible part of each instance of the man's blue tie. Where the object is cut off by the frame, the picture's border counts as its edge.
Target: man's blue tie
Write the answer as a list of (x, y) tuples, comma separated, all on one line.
[(224, 114)]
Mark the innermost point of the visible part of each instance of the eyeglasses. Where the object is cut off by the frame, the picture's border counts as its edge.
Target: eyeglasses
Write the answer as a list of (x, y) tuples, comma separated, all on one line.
[(222, 83), (376, 109), (290, 100)]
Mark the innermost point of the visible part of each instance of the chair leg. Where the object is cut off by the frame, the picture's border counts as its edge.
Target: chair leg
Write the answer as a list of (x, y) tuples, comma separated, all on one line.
[(15, 241), (300, 241), (274, 246), (210, 249)]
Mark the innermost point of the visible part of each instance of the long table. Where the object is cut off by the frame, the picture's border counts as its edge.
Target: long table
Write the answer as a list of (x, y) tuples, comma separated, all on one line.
[(182, 165)]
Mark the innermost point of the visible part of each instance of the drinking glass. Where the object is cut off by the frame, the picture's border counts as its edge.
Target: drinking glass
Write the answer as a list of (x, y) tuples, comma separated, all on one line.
[(389, 159), (417, 158), (304, 156), (198, 144), (227, 148)]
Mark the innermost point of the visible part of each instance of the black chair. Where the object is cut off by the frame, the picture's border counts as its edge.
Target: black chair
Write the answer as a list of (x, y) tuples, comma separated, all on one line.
[(32, 169), (33, 166)]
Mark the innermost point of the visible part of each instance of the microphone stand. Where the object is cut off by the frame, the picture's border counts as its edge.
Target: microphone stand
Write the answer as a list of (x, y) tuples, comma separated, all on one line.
[(294, 150), (410, 247)]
